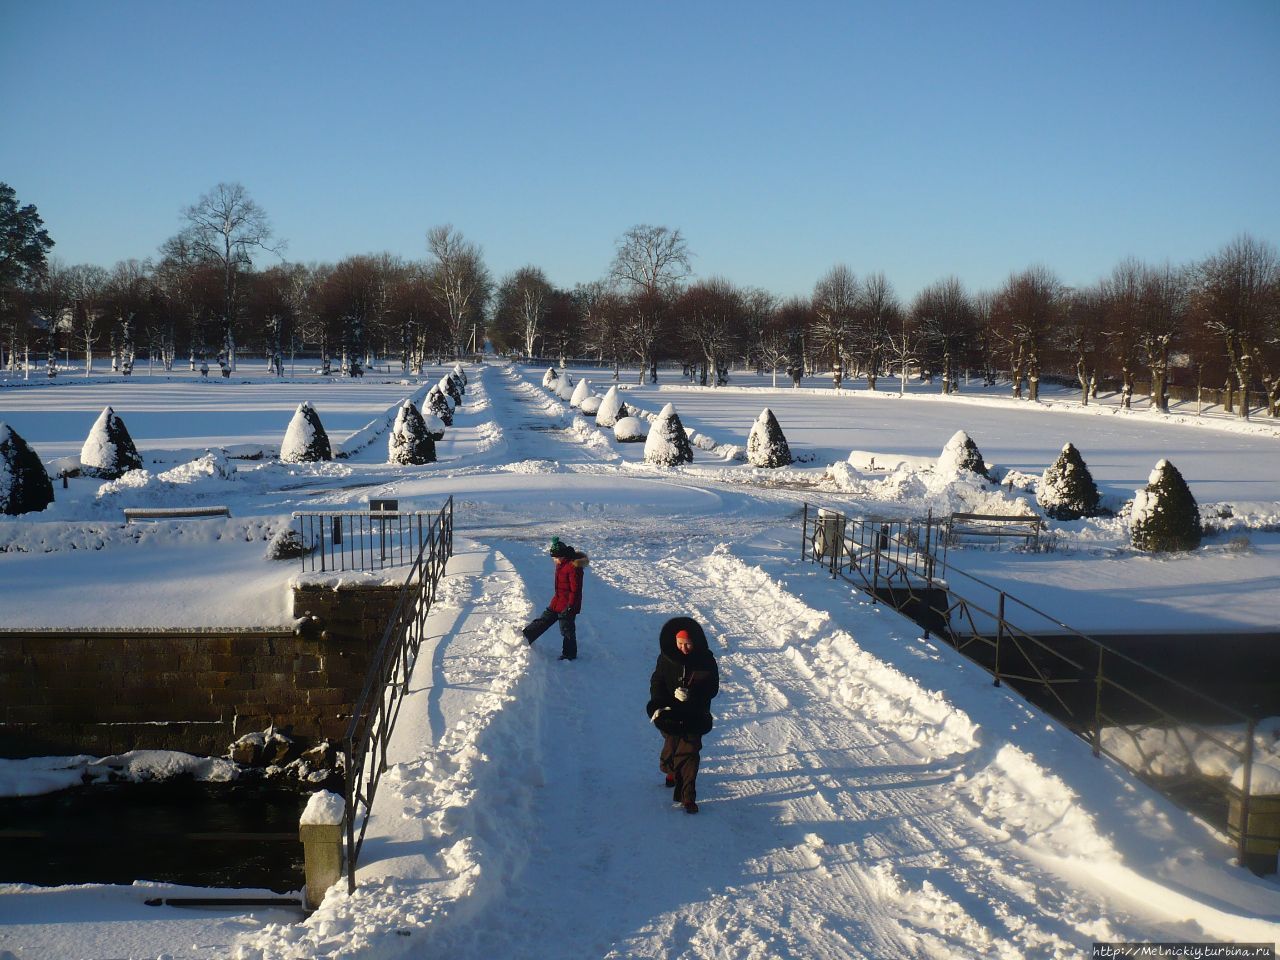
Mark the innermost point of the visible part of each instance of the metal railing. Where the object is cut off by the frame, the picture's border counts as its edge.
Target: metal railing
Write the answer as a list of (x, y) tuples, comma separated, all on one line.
[(387, 682), (1167, 733), (360, 539)]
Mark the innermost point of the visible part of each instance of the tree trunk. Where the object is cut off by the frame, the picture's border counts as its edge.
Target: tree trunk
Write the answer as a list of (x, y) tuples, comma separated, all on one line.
[(1082, 375), (1126, 388), (1228, 395)]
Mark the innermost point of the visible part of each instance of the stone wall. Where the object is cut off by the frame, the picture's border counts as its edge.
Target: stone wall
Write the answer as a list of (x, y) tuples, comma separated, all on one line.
[(103, 692)]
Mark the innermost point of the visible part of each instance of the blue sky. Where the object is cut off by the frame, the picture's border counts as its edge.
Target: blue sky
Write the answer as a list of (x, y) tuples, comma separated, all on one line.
[(917, 138)]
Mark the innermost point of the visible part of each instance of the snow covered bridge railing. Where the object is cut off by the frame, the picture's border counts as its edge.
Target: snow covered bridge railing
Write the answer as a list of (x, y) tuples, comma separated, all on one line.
[(341, 540), (1196, 750), (387, 682)]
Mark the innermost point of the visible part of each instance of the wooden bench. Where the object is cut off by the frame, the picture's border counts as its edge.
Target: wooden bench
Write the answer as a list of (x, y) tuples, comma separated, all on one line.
[(174, 513), (995, 526)]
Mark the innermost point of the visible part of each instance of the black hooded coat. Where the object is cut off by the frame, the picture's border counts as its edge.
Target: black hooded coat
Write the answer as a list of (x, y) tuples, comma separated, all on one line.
[(697, 672)]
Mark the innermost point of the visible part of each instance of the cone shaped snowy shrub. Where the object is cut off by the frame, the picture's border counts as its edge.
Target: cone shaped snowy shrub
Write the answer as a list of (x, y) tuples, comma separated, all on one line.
[(24, 482), (580, 393), (447, 386), (108, 451), (766, 446), (1165, 516), (458, 382), (410, 441), (961, 454), (564, 388), (549, 378), (460, 374), (439, 404), (1067, 490), (305, 441), (612, 409), (667, 443), (629, 430)]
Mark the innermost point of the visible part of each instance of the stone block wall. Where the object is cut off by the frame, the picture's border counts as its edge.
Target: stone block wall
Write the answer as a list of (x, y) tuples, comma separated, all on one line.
[(103, 692)]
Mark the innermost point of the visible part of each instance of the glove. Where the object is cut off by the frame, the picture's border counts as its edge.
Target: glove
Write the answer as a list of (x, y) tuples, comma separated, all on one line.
[(681, 694)]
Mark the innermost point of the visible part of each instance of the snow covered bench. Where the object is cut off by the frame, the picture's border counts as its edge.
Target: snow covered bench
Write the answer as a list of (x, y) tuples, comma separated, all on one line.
[(995, 526), (173, 513)]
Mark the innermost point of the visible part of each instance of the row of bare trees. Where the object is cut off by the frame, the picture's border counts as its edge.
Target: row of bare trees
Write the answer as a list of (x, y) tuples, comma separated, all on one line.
[(204, 296), (1214, 322)]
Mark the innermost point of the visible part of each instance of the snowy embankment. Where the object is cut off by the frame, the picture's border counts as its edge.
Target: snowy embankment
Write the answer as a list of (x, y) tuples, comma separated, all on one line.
[(1059, 403)]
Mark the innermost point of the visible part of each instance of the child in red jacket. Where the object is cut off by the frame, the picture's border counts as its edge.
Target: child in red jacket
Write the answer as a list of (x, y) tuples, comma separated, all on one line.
[(567, 602)]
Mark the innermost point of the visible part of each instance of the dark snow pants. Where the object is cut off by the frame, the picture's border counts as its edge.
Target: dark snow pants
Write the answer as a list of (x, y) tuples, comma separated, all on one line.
[(679, 759), (568, 631)]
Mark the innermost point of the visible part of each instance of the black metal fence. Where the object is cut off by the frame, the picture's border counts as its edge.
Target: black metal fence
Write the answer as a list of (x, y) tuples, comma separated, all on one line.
[(387, 682), (1167, 733), (361, 540)]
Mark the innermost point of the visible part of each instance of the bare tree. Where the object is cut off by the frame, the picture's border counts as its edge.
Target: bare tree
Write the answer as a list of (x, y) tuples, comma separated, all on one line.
[(711, 316), (1082, 334), (88, 284), (1122, 294), (835, 298), (1237, 296), (944, 315), (648, 267), (876, 317), (460, 280), (1026, 312), (521, 307), (226, 226), (1163, 317)]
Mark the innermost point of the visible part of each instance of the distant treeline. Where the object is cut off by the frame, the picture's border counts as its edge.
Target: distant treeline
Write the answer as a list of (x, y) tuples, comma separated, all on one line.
[(221, 288)]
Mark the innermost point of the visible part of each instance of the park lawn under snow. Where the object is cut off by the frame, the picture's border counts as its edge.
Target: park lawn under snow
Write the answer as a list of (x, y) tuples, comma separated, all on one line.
[(865, 793)]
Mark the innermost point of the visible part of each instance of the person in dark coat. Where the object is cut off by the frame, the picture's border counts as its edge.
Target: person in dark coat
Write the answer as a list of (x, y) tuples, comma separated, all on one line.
[(567, 602), (680, 693)]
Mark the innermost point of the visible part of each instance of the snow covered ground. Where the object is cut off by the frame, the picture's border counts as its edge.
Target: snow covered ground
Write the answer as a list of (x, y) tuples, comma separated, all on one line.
[(867, 793)]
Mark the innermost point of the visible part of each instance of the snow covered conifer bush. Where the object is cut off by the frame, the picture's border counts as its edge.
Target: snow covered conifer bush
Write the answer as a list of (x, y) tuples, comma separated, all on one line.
[(108, 452), (628, 430), (612, 409), (961, 454), (448, 386), (305, 441), (1165, 516), (461, 375), (286, 545), (1067, 490), (439, 404), (766, 446), (589, 405), (549, 378), (564, 388), (667, 443), (580, 392), (24, 483), (435, 426), (410, 441)]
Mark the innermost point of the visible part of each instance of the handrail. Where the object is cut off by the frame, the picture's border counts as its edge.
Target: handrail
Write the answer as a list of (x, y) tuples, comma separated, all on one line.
[(342, 540), (895, 564), (387, 682)]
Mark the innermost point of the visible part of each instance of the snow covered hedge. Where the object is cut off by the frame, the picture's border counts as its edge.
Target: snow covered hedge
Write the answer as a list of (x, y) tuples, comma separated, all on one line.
[(1165, 516), (24, 483), (108, 451), (305, 441), (766, 446), (1067, 491)]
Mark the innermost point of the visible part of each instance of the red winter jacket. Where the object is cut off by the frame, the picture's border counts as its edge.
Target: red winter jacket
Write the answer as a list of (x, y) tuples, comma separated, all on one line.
[(568, 598)]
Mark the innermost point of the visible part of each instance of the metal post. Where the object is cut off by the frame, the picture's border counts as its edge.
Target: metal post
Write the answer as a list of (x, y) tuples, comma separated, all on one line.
[(1097, 707), (804, 529), (1248, 789), (999, 635)]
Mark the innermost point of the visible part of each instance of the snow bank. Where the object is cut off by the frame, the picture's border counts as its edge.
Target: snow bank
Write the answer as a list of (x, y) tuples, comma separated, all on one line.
[(40, 775)]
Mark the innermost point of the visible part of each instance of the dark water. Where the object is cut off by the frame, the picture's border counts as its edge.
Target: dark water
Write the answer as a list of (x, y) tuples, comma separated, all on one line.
[(240, 834)]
